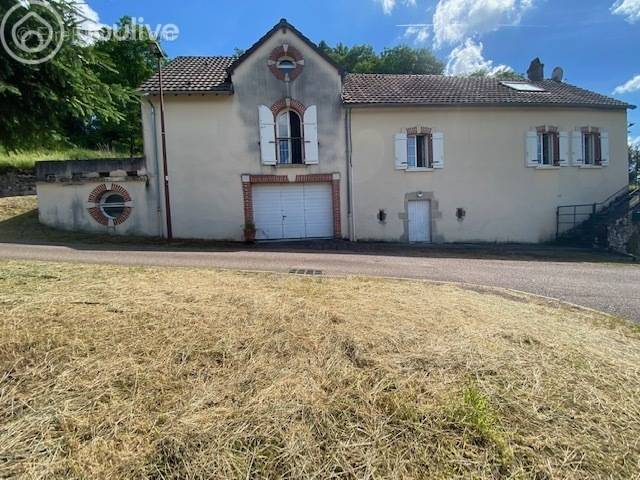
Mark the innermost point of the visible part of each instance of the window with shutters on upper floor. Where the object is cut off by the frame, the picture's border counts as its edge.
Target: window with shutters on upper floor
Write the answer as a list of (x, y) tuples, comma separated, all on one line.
[(419, 149), (547, 147), (290, 136)]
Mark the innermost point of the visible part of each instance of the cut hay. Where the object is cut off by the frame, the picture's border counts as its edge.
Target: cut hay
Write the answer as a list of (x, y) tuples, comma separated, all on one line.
[(132, 373)]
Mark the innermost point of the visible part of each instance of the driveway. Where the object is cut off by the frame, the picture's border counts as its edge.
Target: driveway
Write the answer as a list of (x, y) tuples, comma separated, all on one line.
[(567, 275)]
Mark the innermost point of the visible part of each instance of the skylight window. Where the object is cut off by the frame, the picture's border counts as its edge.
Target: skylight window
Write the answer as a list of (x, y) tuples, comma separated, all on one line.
[(523, 87)]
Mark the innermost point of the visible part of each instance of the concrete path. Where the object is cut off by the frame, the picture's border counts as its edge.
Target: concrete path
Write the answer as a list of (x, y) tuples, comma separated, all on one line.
[(609, 287)]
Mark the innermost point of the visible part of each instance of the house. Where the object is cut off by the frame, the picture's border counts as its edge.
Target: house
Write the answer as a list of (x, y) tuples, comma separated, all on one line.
[(282, 139)]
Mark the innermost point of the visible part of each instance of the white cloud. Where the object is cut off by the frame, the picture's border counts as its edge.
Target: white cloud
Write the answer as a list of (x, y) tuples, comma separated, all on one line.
[(632, 85), (628, 8), (634, 142), (87, 17), (418, 33), (88, 21), (456, 20), (389, 5), (468, 58)]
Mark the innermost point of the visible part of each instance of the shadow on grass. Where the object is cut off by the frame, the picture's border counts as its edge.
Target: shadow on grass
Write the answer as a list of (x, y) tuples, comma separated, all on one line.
[(24, 228)]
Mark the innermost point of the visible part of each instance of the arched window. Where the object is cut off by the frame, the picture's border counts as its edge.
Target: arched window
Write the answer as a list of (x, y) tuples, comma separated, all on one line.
[(289, 137)]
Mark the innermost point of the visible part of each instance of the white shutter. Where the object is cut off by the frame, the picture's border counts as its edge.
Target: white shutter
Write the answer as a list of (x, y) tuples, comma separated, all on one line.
[(267, 135), (412, 150), (311, 136), (531, 150), (438, 150), (577, 154), (604, 148), (564, 149), (401, 151)]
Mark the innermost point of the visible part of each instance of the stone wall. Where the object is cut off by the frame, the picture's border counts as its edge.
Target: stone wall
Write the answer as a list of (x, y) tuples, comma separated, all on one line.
[(624, 235), (14, 183)]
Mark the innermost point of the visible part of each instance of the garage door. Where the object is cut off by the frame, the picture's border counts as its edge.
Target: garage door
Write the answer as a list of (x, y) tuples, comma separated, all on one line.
[(293, 211)]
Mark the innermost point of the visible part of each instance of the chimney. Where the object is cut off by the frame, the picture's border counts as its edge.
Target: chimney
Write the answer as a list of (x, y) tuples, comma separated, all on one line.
[(536, 71)]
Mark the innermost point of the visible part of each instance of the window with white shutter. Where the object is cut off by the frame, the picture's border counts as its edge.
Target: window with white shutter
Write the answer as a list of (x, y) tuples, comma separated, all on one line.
[(438, 150), (267, 135), (564, 149), (531, 152), (311, 156), (577, 153), (546, 147), (590, 147), (419, 149), (604, 149), (401, 151)]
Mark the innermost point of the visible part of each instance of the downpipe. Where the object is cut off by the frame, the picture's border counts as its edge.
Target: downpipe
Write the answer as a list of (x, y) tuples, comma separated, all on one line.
[(350, 188), (156, 158)]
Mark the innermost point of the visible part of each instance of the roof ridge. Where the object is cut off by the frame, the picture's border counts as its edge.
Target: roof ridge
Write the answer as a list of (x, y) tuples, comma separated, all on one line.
[(401, 74), (283, 24), (204, 56)]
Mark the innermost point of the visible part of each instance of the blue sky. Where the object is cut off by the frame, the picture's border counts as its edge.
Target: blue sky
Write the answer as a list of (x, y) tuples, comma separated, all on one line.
[(596, 42)]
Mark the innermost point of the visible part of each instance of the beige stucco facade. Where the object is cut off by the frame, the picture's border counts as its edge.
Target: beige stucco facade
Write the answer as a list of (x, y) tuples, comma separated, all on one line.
[(213, 140), (484, 172), (484, 192), (68, 206)]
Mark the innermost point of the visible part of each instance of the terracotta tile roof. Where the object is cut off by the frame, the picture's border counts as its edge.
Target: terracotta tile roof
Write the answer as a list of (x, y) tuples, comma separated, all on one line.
[(210, 74), (192, 74), (378, 89)]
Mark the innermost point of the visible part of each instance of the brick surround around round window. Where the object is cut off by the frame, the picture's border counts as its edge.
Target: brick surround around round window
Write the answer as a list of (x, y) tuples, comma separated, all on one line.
[(289, 52), (95, 204)]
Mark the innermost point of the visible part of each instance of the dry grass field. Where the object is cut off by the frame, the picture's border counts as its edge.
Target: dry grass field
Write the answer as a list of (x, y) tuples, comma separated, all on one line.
[(133, 373)]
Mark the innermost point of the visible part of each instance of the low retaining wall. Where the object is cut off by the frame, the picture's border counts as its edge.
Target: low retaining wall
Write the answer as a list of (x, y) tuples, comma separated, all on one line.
[(16, 183), (624, 235)]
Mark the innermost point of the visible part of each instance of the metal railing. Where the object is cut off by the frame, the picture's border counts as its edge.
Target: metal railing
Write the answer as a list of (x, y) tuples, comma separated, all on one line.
[(288, 148), (570, 216)]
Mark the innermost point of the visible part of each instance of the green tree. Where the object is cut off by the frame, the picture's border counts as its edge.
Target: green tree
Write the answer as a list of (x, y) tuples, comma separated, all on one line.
[(40, 103), (405, 59), (634, 164), (399, 59), (128, 51), (356, 59), (500, 75)]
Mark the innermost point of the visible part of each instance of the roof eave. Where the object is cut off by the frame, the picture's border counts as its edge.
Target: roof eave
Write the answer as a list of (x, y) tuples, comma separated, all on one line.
[(484, 104), (199, 93)]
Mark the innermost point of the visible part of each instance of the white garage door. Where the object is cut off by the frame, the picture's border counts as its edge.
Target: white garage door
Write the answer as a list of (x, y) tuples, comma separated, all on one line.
[(293, 211)]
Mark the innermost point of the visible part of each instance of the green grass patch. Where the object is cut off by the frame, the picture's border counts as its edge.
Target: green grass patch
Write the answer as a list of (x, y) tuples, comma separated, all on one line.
[(25, 160), (475, 412)]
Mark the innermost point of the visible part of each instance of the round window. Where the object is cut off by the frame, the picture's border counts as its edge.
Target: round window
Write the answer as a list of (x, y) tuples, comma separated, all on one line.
[(113, 205), (286, 65)]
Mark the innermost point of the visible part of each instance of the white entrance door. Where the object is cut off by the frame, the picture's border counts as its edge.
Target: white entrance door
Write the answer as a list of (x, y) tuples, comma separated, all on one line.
[(293, 211), (419, 221)]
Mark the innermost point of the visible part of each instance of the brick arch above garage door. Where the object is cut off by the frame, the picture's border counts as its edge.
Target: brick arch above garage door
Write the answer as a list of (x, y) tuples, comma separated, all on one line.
[(248, 181)]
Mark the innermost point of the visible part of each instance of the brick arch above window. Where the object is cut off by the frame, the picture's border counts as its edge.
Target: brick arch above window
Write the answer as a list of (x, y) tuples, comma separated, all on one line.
[(547, 129), (288, 103), (419, 131)]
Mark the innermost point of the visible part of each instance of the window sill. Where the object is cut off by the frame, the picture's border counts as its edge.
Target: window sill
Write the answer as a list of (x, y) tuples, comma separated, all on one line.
[(291, 165), (548, 167), (420, 169), (592, 167)]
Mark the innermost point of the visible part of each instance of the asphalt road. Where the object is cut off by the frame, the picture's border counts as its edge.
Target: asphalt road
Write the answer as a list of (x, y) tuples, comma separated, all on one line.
[(609, 287)]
